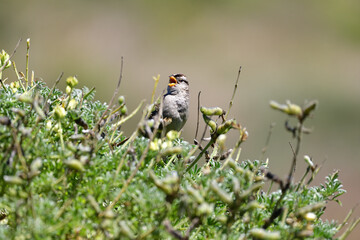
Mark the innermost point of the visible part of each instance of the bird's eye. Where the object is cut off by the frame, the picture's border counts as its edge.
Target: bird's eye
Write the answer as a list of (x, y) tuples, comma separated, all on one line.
[(183, 80)]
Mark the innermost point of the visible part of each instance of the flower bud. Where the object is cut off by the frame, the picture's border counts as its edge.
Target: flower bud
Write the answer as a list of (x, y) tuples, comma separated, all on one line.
[(210, 123), (212, 111), (289, 108), (260, 233), (72, 104), (205, 209), (26, 98), (121, 100), (48, 125), (13, 179), (28, 43), (123, 110), (166, 144), (19, 112), (221, 141), (310, 216), (293, 109), (155, 145), (224, 196), (172, 135), (68, 90), (75, 164), (195, 194), (36, 165), (226, 126), (4, 56), (59, 112), (109, 214), (72, 81), (171, 151), (307, 159)]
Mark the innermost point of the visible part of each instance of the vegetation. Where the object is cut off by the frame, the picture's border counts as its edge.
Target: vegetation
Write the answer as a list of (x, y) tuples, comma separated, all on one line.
[(67, 172)]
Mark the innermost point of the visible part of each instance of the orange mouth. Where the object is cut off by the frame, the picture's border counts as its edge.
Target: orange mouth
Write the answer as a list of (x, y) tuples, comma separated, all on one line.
[(172, 81)]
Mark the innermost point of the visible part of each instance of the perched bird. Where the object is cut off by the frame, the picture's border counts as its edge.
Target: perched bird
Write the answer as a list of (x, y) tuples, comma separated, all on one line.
[(175, 110)]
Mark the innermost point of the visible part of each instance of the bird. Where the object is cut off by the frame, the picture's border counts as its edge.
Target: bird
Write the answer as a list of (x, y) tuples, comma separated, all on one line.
[(175, 106)]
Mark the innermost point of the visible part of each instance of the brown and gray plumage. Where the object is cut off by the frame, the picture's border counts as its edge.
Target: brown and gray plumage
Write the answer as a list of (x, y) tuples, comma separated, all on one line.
[(175, 104)]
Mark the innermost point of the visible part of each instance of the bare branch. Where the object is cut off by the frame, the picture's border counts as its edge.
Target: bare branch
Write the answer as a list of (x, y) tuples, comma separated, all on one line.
[(198, 113), (6, 62), (233, 95)]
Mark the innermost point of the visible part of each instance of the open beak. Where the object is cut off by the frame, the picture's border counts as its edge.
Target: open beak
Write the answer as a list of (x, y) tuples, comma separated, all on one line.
[(172, 81)]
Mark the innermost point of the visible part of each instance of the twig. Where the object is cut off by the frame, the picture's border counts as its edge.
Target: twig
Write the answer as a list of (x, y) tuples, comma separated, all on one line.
[(85, 96), (347, 217), (194, 223), (263, 151), (350, 229), (200, 155), (121, 121), (27, 62), (50, 93), (284, 189), (171, 230), (6, 62), (156, 79), (293, 166), (233, 95), (112, 99), (198, 113), (176, 234)]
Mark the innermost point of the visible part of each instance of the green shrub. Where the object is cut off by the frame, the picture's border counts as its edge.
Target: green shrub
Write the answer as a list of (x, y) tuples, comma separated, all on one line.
[(67, 172)]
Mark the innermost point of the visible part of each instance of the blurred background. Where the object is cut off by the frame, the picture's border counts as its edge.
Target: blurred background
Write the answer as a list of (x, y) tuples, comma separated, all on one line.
[(296, 50)]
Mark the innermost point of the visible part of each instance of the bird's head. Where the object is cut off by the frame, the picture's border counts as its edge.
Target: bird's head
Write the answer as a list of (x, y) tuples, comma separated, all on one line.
[(178, 82)]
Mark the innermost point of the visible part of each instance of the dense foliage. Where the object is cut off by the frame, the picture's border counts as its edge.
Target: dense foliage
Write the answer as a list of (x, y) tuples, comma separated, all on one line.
[(67, 172)]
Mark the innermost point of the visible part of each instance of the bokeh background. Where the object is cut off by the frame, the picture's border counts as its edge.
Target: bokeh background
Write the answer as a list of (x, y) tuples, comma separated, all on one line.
[(296, 50)]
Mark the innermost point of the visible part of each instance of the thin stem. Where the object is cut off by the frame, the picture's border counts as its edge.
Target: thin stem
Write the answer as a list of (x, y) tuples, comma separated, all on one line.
[(2, 84), (272, 125), (198, 113), (27, 62), (6, 62), (156, 79), (61, 136), (200, 155), (46, 107), (295, 153), (287, 185), (233, 95), (115, 93)]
